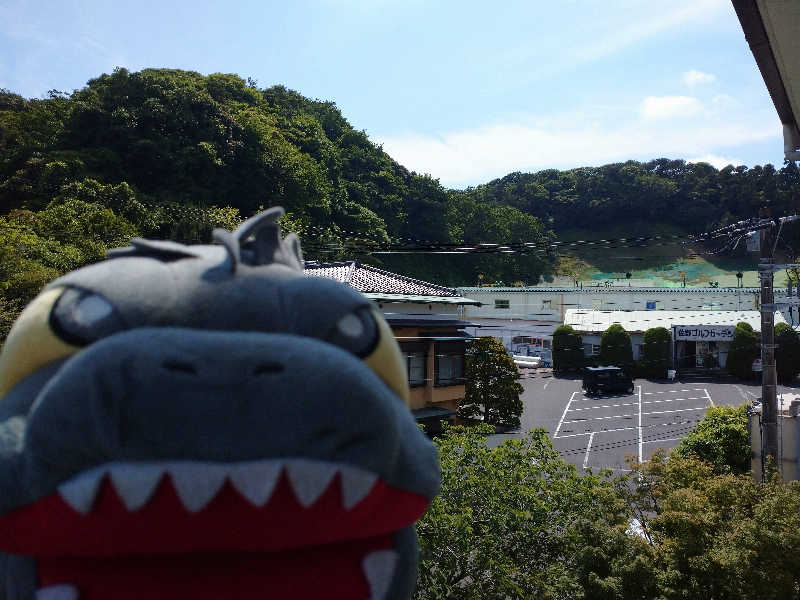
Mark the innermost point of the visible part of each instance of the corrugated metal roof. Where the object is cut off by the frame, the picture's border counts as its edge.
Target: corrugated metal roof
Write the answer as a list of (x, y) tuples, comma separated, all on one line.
[(366, 278), (642, 320)]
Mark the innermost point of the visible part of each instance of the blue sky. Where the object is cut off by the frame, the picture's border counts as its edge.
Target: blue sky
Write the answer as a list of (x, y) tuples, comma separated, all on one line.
[(464, 90)]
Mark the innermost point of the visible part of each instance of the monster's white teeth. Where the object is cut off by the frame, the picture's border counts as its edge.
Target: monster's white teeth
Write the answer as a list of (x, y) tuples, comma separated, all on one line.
[(356, 484), (136, 482), (309, 478), (257, 480), (57, 592), (80, 491), (379, 569), (198, 483)]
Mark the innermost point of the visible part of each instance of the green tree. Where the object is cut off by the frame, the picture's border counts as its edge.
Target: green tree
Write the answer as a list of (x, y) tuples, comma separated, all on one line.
[(518, 522), (787, 354), (721, 439), (656, 350), (492, 389), (616, 348), (567, 349), (743, 351), (716, 536)]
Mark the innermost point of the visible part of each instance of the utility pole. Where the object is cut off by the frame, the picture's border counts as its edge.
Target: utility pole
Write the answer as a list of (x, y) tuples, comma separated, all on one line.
[(769, 400)]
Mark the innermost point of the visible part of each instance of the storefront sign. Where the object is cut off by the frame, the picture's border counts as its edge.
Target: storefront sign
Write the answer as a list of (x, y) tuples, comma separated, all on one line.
[(709, 333)]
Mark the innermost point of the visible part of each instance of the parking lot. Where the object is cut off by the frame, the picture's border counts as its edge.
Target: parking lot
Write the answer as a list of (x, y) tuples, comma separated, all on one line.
[(601, 431)]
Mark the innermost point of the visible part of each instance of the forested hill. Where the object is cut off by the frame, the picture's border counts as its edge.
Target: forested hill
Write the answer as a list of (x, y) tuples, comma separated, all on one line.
[(173, 154), (167, 153), (693, 196)]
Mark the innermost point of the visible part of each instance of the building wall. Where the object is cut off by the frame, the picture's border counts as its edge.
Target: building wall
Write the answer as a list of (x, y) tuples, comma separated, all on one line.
[(449, 396), (549, 304), (787, 438)]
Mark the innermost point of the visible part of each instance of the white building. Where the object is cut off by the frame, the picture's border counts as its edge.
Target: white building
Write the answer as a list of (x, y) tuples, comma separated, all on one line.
[(525, 317), (696, 335)]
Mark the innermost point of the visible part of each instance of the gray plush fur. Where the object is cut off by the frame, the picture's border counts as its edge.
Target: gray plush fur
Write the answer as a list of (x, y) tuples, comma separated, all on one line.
[(209, 353)]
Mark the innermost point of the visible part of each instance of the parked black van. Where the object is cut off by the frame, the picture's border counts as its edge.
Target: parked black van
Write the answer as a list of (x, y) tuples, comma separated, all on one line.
[(598, 380)]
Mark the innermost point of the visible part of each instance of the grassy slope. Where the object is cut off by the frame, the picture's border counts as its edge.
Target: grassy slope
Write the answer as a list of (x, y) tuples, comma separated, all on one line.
[(662, 261)]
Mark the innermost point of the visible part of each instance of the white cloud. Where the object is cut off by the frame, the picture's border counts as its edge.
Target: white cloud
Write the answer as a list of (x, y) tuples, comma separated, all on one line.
[(718, 162), (482, 153), (668, 107), (692, 77)]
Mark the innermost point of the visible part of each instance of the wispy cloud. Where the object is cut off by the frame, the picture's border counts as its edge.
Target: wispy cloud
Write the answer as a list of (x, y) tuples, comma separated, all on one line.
[(718, 162), (476, 155), (648, 25), (669, 107), (693, 77)]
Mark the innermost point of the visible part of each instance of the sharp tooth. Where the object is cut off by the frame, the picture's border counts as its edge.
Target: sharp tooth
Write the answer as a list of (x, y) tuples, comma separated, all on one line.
[(309, 478), (256, 481), (356, 484), (80, 491), (135, 482), (197, 483), (57, 592), (379, 569)]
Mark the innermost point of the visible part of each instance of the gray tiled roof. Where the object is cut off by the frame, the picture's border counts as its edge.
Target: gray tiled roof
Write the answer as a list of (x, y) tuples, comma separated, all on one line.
[(368, 279)]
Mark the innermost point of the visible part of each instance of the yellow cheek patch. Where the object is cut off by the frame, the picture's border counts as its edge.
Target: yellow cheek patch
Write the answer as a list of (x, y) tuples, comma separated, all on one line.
[(31, 343), (386, 360)]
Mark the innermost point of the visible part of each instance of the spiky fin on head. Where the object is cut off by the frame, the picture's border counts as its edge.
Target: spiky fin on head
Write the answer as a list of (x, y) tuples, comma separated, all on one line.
[(257, 241)]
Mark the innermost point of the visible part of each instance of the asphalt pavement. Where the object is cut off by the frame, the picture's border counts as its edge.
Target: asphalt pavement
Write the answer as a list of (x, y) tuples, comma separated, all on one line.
[(605, 431)]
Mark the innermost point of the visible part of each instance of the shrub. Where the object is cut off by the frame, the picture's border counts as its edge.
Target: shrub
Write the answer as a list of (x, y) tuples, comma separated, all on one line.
[(616, 348), (656, 351), (744, 350), (787, 354), (567, 349)]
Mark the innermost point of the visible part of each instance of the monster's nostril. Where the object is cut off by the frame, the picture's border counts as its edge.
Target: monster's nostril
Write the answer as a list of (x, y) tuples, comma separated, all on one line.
[(180, 366), (266, 368)]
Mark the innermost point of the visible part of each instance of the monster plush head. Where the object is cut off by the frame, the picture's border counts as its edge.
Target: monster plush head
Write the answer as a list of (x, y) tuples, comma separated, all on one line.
[(205, 422)]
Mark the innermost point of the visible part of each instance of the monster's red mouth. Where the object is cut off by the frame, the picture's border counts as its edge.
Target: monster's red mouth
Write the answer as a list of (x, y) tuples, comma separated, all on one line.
[(289, 528)]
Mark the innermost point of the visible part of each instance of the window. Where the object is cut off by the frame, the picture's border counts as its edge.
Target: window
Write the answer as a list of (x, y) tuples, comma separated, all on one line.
[(449, 364), (546, 344), (591, 349), (502, 304), (597, 303), (546, 304), (416, 358)]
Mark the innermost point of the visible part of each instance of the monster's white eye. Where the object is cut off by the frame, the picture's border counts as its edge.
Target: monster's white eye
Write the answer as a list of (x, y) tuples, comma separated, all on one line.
[(355, 332), (91, 309), (351, 326), (81, 317)]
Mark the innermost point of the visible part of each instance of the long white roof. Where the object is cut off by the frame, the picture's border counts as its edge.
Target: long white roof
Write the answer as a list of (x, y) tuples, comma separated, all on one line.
[(642, 320)]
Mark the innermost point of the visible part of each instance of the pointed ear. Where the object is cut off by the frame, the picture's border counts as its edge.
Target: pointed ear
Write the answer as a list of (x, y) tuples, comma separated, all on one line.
[(292, 242)]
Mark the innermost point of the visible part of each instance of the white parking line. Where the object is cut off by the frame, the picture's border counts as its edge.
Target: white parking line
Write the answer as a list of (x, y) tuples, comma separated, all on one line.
[(640, 424), (561, 421), (673, 400), (661, 412), (710, 401), (674, 391), (588, 449), (664, 440), (602, 418), (546, 384), (569, 435), (604, 406)]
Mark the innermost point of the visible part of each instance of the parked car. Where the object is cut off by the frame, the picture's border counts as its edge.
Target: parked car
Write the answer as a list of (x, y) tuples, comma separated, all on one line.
[(599, 380)]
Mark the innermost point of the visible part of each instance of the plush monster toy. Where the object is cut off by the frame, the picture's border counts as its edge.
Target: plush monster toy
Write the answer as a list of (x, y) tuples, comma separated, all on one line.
[(205, 422)]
